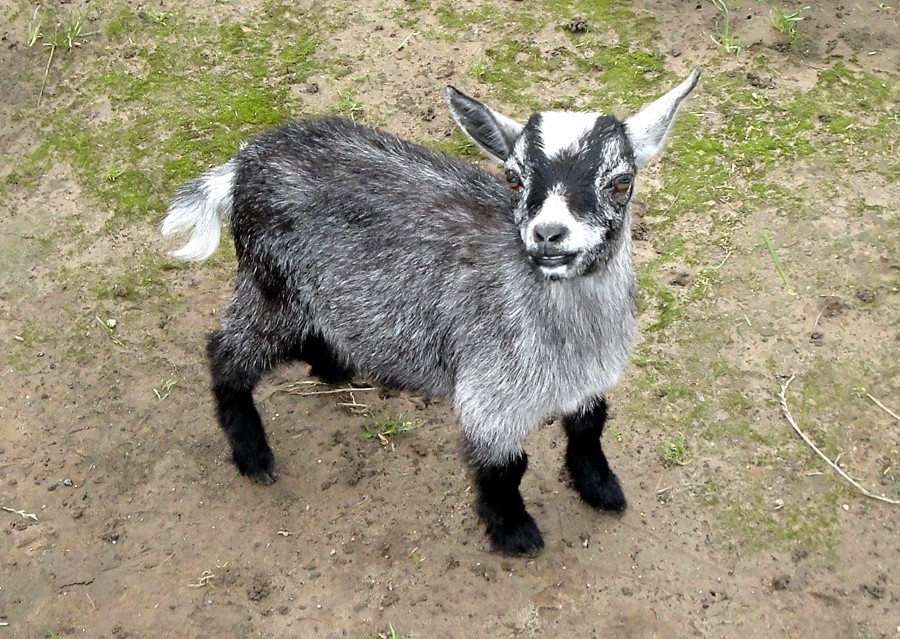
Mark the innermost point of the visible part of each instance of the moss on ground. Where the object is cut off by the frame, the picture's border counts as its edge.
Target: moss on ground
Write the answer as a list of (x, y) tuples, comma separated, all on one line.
[(176, 104)]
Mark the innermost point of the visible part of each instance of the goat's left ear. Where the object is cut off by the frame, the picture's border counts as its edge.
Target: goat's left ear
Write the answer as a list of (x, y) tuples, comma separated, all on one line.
[(647, 128), (493, 132)]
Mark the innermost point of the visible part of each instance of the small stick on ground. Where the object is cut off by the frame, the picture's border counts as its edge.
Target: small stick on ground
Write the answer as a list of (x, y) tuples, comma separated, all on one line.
[(20, 513), (407, 39), (790, 418), (46, 74), (205, 580), (884, 408), (330, 392)]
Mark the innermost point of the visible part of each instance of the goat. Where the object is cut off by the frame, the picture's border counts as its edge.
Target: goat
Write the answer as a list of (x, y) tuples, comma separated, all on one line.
[(513, 295)]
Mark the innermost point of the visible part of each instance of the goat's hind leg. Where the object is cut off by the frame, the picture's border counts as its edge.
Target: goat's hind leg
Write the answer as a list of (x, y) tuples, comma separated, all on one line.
[(235, 372), (254, 337), (323, 361), (590, 472)]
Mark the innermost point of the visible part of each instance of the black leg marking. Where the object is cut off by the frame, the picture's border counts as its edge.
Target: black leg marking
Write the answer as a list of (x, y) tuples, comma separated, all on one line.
[(509, 526), (322, 360), (588, 468), (237, 414)]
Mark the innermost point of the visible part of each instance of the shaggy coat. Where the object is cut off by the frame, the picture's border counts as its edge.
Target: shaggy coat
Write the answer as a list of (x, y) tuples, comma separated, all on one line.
[(513, 295)]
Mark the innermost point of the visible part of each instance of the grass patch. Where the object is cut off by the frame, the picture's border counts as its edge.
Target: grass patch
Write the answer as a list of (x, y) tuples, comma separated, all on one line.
[(384, 427), (189, 102), (457, 143), (757, 525), (674, 453)]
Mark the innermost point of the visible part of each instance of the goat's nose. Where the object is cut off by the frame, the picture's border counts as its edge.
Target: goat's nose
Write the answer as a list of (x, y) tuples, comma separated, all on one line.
[(550, 233)]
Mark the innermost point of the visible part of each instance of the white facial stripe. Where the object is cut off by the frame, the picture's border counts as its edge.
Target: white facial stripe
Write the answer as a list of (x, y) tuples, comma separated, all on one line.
[(560, 130), (555, 211)]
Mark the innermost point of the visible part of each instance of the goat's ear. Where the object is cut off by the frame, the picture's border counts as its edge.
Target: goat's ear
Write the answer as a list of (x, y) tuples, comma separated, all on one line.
[(647, 129), (493, 132)]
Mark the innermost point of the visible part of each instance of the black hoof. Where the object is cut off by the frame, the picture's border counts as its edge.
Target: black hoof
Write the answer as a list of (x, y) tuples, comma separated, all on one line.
[(603, 494), (263, 477), (258, 467), (519, 537)]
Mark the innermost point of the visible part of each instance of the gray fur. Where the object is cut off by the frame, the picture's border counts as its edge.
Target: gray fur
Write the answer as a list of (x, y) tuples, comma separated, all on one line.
[(422, 272)]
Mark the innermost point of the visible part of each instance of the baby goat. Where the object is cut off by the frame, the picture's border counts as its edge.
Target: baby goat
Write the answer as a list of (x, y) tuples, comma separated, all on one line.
[(359, 252)]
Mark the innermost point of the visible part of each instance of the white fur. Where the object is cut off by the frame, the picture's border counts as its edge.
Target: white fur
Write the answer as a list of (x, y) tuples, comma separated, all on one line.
[(200, 207), (548, 376), (648, 128), (560, 130)]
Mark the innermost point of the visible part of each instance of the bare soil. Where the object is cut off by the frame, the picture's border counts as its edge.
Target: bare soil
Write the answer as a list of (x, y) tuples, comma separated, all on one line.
[(124, 517)]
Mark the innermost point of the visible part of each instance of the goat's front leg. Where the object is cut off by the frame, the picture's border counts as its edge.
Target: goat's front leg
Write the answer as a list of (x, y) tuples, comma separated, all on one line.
[(501, 508), (587, 465)]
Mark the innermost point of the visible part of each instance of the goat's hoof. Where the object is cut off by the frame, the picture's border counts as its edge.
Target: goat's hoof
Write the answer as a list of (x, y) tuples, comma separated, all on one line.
[(264, 477), (604, 495), (260, 468), (516, 538)]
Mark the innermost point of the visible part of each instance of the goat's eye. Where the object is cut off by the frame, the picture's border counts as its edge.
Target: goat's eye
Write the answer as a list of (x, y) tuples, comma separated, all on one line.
[(513, 179), (622, 183)]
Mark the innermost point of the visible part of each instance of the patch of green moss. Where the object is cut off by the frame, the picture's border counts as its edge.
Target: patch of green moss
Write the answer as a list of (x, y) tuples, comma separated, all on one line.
[(189, 102), (756, 525), (512, 66), (457, 143), (847, 115), (627, 61), (455, 20), (28, 340), (657, 299)]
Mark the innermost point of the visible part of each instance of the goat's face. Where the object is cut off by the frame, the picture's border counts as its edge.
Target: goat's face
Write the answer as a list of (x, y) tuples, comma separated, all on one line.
[(574, 174)]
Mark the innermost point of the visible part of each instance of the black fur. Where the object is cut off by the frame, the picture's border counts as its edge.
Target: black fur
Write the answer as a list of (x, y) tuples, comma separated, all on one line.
[(322, 360), (587, 465), (499, 504), (238, 416)]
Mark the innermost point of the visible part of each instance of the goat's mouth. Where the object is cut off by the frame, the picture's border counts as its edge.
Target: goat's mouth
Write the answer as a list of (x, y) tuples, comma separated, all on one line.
[(553, 261)]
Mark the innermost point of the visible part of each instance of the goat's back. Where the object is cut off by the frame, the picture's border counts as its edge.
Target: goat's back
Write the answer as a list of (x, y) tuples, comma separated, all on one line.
[(386, 248)]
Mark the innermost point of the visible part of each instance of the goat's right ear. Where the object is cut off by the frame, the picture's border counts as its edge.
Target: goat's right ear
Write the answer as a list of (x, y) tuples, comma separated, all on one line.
[(493, 132)]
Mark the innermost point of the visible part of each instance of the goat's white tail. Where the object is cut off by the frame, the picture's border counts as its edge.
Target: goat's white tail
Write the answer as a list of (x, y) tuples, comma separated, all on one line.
[(201, 206)]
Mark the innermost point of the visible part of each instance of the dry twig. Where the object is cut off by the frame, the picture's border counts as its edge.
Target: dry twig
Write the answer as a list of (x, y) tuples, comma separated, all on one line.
[(205, 580), (20, 513), (884, 408), (406, 40), (790, 418)]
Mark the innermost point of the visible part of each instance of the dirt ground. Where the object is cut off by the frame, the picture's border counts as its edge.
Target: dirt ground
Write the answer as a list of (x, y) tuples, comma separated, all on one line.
[(124, 517)]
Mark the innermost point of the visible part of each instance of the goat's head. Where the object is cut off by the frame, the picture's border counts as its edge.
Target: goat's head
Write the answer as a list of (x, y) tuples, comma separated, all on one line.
[(574, 173)]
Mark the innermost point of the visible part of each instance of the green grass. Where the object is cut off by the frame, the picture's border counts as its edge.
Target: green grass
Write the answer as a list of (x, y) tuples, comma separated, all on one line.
[(457, 143), (383, 427), (190, 102), (725, 36), (786, 22), (348, 104), (674, 453)]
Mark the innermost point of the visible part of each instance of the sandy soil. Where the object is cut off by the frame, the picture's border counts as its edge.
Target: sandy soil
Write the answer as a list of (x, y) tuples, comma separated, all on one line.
[(123, 516)]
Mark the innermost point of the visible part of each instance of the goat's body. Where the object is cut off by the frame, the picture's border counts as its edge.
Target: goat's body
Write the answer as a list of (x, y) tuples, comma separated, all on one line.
[(359, 252), (418, 285)]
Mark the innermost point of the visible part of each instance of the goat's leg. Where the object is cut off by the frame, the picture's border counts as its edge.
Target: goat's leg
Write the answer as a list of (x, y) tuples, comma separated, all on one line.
[(501, 508), (255, 336), (322, 359), (590, 472), (234, 375)]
